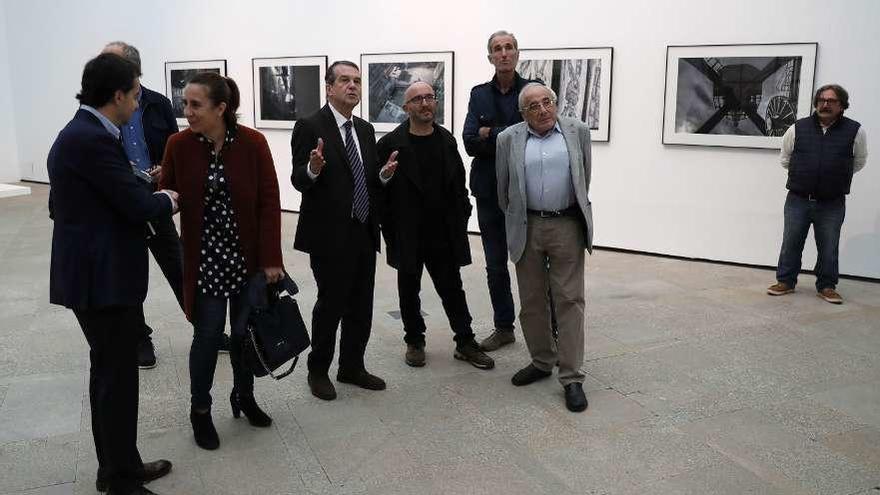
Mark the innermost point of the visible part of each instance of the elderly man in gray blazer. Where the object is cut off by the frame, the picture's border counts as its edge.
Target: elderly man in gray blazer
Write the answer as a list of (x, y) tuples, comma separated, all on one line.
[(543, 169)]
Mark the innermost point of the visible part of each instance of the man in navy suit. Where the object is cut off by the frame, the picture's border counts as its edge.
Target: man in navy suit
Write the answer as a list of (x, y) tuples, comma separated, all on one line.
[(335, 167), (99, 261)]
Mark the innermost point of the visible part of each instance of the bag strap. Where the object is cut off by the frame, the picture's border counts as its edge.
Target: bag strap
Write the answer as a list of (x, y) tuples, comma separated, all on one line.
[(262, 359)]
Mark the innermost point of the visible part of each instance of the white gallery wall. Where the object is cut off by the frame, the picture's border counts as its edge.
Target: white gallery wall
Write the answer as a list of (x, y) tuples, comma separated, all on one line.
[(9, 163), (713, 203)]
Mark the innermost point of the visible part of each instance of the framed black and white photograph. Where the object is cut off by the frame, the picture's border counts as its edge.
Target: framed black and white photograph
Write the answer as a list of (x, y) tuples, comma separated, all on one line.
[(386, 77), (177, 74), (581, 78), (287, 89), (742, 96)]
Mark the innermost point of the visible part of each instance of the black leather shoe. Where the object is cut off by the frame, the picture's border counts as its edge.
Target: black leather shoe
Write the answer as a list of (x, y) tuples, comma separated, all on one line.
[(141, 490), (321, 386), (362, 379), (204, 431), (247, 405), (528, 375), (146, 354), (152, 471), (575, 400)]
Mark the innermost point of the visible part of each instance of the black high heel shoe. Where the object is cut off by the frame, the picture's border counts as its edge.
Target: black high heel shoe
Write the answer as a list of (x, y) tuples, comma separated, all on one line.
[(247, 405), (203, 430)]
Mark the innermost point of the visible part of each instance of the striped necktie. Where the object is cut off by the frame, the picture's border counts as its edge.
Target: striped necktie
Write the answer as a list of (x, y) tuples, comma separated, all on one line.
[(361, 201)]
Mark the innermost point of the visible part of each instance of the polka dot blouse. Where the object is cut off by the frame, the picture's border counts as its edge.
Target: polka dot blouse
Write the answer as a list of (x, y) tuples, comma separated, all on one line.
[(222, 267)]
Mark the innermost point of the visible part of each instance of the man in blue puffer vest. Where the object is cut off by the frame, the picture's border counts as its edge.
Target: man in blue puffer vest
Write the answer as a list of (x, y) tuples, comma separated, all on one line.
[(821, 153)]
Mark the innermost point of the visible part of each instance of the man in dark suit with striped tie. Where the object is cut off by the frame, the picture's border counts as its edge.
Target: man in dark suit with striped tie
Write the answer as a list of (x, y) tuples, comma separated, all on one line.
[(335, 167)]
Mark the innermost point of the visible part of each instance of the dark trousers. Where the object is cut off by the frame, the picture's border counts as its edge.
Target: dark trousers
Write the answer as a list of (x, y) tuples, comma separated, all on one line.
[(209, 319), (446, 275), (826, 217), (494, 235), (113, 335), (164, 243), (345, 293)]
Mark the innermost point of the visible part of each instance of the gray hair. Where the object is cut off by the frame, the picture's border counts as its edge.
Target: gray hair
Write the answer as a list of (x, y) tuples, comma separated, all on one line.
[(501, 33), (129, 53), (534, 85)]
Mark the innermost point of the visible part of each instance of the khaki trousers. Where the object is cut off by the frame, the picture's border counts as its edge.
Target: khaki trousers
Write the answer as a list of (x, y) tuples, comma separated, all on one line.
[(562, 240)]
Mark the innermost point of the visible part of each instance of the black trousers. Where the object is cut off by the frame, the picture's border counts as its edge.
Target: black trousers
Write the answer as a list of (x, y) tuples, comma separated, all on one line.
[(164, 243), (113, 335), (345, 293), (446, 276)]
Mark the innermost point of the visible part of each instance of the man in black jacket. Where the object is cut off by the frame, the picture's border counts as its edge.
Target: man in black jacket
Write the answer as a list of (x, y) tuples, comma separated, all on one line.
[(99, 261), (821, 153), (425, 215), (492, 108), (143, 138)]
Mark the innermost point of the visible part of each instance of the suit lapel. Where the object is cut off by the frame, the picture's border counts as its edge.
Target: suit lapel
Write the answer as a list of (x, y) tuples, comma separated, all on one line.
[(570, 134), (519, 144)]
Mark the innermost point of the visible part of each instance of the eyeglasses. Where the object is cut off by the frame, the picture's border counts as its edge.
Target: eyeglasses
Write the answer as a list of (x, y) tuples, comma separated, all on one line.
[(537, 106), (830, 101), (418, 100)]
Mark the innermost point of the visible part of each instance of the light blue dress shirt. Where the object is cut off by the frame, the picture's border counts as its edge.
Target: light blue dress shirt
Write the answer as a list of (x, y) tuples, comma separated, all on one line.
[(548, 176), (133, 139)]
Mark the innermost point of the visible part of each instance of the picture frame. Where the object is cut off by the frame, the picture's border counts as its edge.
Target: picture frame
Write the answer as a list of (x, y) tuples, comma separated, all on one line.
[(740, 96), (387, 75), (177, 74), (287, 89), (581, 78)]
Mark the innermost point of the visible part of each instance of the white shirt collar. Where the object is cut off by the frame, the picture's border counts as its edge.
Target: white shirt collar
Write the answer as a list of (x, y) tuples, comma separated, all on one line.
[(340, 119)]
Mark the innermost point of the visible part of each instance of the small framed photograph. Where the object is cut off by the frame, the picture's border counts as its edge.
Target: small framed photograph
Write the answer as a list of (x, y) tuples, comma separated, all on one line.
[(177, 74), (741, 96), (386, 77), (581, 78), (287, 89)]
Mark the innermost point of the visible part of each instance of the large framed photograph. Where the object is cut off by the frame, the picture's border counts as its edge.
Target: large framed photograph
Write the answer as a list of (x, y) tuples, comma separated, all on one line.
[(742, 96), (581, 78), (287, 89), (177, 74), (386, 77)]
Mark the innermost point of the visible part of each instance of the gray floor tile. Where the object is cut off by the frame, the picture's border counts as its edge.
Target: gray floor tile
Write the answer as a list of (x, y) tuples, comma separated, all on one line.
[(42, 406)]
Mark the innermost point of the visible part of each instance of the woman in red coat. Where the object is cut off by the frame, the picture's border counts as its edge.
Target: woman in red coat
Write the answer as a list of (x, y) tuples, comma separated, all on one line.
[(230, 218)]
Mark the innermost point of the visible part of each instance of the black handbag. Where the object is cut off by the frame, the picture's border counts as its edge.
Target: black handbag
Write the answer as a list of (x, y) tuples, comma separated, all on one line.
[(275, 332)]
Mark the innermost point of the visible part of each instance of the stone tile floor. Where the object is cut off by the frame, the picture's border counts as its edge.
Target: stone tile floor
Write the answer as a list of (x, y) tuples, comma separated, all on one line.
[(698, 384)]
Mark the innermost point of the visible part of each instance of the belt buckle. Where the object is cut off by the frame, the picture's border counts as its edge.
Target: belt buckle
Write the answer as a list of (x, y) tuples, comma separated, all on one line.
[(549, 214), (812, 198)]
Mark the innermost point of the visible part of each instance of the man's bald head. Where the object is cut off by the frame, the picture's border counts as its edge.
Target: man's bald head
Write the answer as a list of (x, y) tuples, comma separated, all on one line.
[(418, 87), (125, 51), (420, 103)]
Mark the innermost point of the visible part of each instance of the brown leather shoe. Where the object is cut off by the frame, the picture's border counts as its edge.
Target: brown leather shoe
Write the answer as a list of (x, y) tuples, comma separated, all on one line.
[(321, 386), (362, 379), (497, 340), (830, 295), (780, 289), (415, 355), (471, 352)]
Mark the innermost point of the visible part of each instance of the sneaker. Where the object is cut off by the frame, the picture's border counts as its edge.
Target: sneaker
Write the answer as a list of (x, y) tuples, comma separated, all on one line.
[(470, 352), (780, 289), (498, 339), (146, 354), (830, 295), (224, 344), (415, 355)]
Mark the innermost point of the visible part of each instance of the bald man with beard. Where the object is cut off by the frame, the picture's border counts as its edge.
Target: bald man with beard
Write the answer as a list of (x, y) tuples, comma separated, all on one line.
[(424, 222)]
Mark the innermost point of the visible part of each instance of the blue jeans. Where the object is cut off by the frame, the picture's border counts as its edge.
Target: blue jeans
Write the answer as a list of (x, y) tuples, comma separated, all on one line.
[(494, 235), (209, 318), (826, 217)]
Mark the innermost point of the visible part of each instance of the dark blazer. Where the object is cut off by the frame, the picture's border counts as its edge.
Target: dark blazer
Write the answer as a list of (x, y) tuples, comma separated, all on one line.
[(158, 121), (253, 185), (99, 253), (325, 212), (402, 207)]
